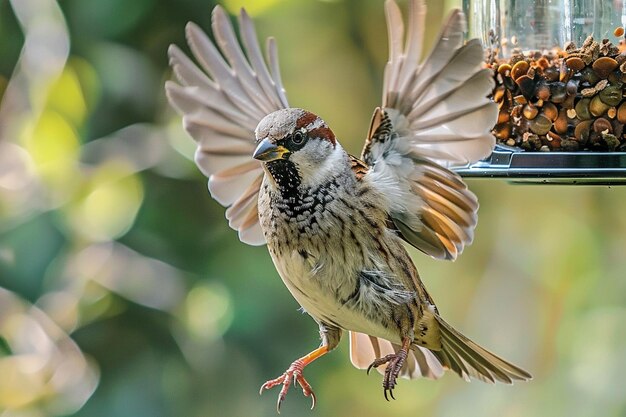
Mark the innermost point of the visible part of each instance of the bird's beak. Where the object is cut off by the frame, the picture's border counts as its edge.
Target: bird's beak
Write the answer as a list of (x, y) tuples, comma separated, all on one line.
[(268, 151)]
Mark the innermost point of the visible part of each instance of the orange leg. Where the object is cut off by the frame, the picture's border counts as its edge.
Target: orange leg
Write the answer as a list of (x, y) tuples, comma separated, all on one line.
[(394, 363), (294, 373)]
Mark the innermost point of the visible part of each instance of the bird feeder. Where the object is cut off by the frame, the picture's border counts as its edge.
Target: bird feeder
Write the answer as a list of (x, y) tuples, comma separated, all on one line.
[(560, 79)]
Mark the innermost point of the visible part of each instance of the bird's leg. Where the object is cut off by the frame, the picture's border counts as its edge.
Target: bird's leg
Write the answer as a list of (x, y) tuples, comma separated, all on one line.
[(331, 336), (394, 363), (294, 374)]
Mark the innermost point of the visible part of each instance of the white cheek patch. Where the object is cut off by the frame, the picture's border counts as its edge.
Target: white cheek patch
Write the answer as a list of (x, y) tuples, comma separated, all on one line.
[(316, 166)]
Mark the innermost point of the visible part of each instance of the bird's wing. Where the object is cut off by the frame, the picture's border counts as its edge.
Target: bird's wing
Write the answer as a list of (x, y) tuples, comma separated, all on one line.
[(435, 115), (221, 100)]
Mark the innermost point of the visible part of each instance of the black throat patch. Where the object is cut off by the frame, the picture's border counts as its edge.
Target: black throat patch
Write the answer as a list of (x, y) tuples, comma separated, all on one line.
[(287, 177)]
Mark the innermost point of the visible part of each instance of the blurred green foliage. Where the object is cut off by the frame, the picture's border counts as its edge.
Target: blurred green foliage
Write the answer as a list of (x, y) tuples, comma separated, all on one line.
[(124, 292)]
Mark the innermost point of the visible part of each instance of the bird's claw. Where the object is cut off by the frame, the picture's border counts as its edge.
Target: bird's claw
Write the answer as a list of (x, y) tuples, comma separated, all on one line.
[(380, 361), (293, 374), (394, 365)]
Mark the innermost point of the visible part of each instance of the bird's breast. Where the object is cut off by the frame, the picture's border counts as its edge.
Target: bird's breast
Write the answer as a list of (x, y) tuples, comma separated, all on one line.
[(320, 245), (314, 234)]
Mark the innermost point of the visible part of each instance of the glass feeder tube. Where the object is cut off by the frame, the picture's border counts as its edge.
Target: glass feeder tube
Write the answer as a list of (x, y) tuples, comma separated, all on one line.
[(530, 147)]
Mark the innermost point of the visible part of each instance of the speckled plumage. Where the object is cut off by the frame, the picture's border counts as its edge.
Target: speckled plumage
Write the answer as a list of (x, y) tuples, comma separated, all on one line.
[(334, 251)]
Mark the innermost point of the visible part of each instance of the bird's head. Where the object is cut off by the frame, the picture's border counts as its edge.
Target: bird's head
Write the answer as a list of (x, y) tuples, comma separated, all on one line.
[(296, 147)]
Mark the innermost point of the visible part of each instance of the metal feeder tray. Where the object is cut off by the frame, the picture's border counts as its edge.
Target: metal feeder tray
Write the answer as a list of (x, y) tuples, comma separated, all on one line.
[(576, 168)]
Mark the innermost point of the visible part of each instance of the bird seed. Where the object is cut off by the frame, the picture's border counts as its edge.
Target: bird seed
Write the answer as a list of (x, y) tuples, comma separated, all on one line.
[(569, 99)]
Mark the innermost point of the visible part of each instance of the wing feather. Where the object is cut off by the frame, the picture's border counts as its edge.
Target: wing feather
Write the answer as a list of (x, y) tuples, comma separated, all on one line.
[(244, 202), (459, 102), (222, 99), (417, 23), (447, 45), (273, 91), (462, 66), (272, 55), (435, 115), (213, 62), (207, 123), (186, 71), (395, 33), (225, 36), (228, 187), (191, 99)]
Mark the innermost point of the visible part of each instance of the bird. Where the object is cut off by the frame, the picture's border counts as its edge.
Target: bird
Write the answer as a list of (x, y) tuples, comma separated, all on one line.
[(336, 225)]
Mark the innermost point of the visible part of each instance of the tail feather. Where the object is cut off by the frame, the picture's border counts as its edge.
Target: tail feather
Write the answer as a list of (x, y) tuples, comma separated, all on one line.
[(470, 369), (420, 362), (451, 361), (450, 350), (468, 359)]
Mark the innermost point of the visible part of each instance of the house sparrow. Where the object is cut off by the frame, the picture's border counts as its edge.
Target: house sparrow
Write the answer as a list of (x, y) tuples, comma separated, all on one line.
[(335, 225)]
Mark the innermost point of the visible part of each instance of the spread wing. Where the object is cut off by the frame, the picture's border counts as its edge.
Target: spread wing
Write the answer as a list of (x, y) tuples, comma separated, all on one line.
[(435, 115), (221, 100)]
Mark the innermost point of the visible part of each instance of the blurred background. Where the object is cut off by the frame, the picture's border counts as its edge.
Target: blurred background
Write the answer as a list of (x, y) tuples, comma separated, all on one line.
[(124, 293)]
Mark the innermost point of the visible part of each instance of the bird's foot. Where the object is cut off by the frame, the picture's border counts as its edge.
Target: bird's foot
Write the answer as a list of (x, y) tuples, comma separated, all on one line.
[(293, 374), (394, 363)]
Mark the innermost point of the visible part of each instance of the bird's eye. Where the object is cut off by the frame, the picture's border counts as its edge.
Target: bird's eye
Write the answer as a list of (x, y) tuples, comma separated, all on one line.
[(297, 138)]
